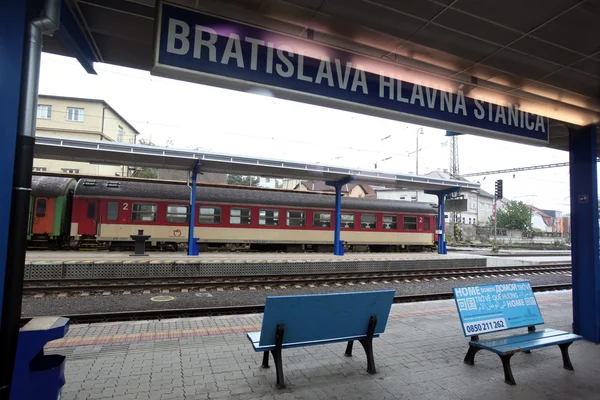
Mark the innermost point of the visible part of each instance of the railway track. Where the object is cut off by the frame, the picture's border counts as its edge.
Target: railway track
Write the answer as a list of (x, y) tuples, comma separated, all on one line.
[(245, 309), (253, 281)]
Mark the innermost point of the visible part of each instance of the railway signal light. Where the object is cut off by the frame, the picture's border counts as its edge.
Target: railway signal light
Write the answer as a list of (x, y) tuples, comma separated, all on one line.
[(498, 187)]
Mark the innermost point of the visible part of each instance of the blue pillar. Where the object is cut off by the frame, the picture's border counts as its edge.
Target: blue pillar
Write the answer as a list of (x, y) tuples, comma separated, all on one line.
[(584, 233), (192, 250), (337, 243), (441, 223), (12, 40)]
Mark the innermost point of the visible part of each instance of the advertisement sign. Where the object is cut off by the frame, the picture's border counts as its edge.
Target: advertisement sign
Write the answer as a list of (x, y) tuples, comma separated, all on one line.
[(489, 308)]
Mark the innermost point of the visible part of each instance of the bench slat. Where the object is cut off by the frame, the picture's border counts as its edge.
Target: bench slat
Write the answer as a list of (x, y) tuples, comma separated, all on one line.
[(533, 344), (254, 337), (318, 318), (514, 339)]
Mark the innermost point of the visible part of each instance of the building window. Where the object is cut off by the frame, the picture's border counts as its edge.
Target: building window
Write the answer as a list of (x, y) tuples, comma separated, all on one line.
[(210, 215), (268, 180), (75, 114), (177, 213), (427, 223), (268, 217), (143, 212), (112, 213), (120, 133), (44, 111), (239, 216), (347, 221), (40, 209), (322, 219), (368, 221), (70, 170), (39, 169), (463, 220), (295, 218), (390, 222), (409, 223)]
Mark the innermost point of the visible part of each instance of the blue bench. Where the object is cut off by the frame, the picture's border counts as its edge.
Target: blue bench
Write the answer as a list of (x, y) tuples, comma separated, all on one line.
[(297, 321), (495, 308)]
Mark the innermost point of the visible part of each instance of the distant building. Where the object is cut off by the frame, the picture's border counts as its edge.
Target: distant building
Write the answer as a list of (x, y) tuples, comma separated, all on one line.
[(479, 202), (80, 118), (350, 189), (268, 182), (540, 220)]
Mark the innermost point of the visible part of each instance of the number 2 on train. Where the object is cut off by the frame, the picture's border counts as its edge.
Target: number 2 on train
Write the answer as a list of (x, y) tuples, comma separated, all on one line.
[(125, 206)]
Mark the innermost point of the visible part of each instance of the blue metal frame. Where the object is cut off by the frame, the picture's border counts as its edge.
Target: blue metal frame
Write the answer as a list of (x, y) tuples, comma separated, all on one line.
[(192, 250), (441, 225), (584, 233), (71, 35), (337, 243)]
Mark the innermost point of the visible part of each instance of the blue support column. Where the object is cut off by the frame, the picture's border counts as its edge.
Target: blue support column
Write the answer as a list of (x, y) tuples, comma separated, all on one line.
[(584, 233), (441, 223), (337, 243), (12, 40), (192, 250)]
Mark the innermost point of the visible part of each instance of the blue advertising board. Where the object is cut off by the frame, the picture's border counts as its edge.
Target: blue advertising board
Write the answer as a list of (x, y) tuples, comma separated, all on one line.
[(207, 49), (489, 308)]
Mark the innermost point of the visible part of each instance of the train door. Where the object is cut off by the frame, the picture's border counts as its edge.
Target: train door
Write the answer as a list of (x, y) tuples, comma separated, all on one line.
[(89, 220), (43, 216)]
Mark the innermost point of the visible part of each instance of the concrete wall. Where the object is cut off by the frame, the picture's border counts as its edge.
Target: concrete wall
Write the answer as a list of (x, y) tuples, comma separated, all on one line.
[(92, 119)]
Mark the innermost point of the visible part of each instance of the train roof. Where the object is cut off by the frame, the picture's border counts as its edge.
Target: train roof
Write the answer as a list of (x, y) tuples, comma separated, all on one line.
[(163, 191), (50, 186)]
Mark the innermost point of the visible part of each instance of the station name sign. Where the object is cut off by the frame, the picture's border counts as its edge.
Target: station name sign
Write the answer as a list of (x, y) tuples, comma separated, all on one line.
[(194, 46)]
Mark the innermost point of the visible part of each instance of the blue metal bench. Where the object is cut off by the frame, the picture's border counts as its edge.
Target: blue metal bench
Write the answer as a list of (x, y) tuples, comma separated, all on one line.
[(297, 321), (494, 308)]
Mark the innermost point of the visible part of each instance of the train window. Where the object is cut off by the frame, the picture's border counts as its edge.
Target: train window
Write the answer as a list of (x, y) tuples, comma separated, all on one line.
[(112, 213), (40, 209), (347, 221), (322, 219), (91, 209), (427, 223), (390, 222), (295, 218), (177, 213), (368, 221), (409, 223), (268, 217), (210, 215), (145, 212), (239, 216)]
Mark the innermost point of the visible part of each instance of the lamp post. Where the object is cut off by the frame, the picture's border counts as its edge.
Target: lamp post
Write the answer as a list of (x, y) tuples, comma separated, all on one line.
[(419, 132)]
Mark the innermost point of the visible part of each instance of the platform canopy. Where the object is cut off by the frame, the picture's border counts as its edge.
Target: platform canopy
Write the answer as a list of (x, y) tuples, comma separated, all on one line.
[(103, 152), (540, 57)]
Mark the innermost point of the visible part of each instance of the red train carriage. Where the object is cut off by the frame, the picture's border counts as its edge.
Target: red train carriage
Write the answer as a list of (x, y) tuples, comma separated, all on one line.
[(107, 212)]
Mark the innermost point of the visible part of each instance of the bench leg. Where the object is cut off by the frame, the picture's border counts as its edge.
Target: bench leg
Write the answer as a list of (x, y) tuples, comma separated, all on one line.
[(277, 356), (367, 344), (470, 357), (564, 349), (348, 352), (265, 363), (508, 376), (278, 368)]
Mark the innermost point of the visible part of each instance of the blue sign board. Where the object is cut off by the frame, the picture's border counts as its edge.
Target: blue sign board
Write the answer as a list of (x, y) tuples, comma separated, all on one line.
[(489, 308), (208, 49)]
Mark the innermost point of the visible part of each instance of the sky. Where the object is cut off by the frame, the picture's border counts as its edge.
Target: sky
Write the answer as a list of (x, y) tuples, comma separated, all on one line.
[(187, 115)]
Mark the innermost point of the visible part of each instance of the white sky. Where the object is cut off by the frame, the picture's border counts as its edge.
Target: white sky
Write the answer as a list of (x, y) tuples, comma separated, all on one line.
[(190, 115)]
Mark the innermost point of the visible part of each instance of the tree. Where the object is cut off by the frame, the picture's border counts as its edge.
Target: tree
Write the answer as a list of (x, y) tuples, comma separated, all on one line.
[(243, 180), (149, 173), (515, 215)]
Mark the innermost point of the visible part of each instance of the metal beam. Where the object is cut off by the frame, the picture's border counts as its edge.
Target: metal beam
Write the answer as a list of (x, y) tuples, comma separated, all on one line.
[(520, 169), (103, 152)]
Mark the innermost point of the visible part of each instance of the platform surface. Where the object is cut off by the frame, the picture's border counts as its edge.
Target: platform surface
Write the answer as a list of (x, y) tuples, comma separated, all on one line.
[(418, 357)]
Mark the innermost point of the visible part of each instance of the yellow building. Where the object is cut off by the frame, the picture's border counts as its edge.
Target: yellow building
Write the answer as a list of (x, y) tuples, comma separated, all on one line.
[(79, 118)]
